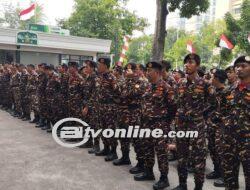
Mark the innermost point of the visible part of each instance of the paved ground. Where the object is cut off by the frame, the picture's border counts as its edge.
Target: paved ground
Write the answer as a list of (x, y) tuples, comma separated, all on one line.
[(31, 160)]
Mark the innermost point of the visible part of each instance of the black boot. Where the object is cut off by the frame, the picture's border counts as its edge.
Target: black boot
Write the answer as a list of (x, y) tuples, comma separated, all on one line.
[(213, 175), (139, 168), (219, 182), (198, 186), (112, 156), (95, 149), (147, 175), (103, 152), (124, 160), (35, 120), (46, 126), (162, 183), (41, 123)]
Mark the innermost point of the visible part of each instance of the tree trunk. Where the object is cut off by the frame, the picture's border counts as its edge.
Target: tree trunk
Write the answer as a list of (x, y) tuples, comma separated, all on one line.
[(160, 30)]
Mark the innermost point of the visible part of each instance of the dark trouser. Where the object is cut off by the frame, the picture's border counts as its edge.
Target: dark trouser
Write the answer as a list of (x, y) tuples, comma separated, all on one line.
[(236, 151), (152, 146), (196, 149)]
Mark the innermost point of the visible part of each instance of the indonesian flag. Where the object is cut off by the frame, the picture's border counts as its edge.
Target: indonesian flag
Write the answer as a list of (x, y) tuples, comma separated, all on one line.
[(225, 43), (28, 13), (248, 38), (124, 49), (190, 47)]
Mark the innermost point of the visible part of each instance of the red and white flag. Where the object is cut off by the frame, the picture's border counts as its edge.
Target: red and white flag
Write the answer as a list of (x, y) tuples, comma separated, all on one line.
[(124, 49), (190, 47), (225, 43), (248, 38), (28, 13)]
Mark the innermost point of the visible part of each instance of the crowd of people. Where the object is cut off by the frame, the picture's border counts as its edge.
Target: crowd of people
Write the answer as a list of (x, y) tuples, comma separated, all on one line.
[(215, 103)]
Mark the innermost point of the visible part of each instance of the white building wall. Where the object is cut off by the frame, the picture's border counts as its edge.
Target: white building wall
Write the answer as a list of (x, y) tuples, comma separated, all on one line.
[(36, 58)]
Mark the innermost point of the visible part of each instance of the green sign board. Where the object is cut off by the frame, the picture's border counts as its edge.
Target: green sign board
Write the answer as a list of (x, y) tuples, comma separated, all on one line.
[(39, 28), (27, 38)]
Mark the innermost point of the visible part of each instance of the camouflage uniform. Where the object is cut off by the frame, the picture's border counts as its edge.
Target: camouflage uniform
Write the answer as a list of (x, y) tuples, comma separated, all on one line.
[(15, 88), (75, 96), (31, 92), (42, 104), (6, 89), (106, 92), (133, 89), (192, 102), (158, 111), (90, 101), (64, 80), (237, 135), (23, 94), (53, 94)]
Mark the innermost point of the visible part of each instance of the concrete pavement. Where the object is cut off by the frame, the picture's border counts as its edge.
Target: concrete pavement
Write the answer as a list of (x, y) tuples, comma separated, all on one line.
[(31, 160)]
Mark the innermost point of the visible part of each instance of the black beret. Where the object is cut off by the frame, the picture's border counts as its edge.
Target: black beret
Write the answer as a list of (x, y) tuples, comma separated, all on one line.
[(166, 65), (154, 65), (242, 59), (42, 64), (193, 56), (230, 68), (91, 63), (141, 66), (47, 67), (118, 69), (64, 66), (105, 60), (221, 75), (73, 64), (131, 66), (31, 65)]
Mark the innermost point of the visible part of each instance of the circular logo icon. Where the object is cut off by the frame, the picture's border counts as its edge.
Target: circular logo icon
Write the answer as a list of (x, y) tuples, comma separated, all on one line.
[(65, 144)]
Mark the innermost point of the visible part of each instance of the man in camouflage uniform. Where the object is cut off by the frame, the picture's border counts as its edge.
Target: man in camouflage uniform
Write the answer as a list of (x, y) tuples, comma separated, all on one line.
[(106, 84), (41, 95), (14, 83), (75, 91), (193, 93), (23, 93), (158, 111), (237, 136), (216, 120), (31, 92), (64, 80), (90, 104), (7, 100), (53, 97)]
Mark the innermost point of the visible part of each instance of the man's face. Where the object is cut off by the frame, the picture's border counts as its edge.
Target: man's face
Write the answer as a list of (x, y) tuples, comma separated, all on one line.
[(214, 80), (88, 70), (231, 75), (152, 74), (72, 70), (101, 68), (243, 70), (191, 67)]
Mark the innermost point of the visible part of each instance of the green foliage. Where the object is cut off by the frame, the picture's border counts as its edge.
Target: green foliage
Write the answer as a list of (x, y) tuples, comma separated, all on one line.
[(140, 49), (106, 19), (237, 31), (188, 8)]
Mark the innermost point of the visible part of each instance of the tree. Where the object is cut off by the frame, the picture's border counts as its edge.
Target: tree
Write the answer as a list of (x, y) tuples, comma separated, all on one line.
[(187, 9), (140, 49), (106, 19), (11, 17)]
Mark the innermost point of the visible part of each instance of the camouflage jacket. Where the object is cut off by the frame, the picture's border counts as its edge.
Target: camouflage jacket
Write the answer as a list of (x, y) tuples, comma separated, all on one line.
[(158, 102)]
